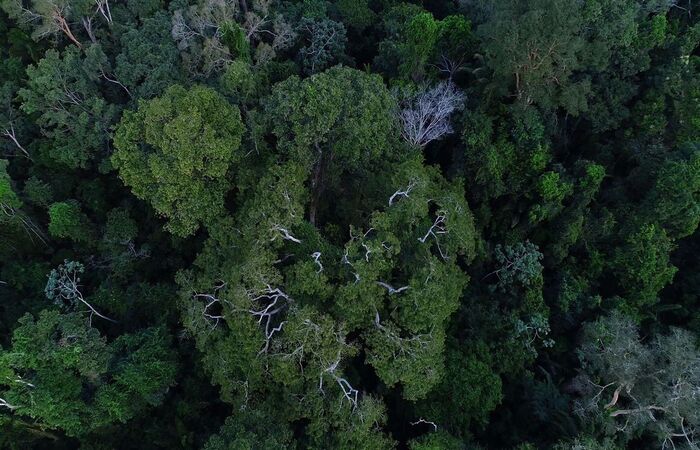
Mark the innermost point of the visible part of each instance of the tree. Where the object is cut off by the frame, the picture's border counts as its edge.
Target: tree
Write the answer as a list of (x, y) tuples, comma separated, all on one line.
[(519, 263), (149, 60), (176, 152), (455, 405), (212, 34), (674, 201), (425, 116), (66, 221), (637, 387), (417, 45), (47, 17), (63, 287), (332, 123), (54, 358), (326, 43), (533, 48), (419, 37), (62, 90), (643, 265)]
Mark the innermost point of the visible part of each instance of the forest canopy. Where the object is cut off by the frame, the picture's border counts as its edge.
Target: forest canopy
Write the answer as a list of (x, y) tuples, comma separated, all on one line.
[(350, 224)]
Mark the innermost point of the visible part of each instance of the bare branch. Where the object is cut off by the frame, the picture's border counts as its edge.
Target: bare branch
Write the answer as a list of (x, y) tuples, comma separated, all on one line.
[(267, 306), (437, 228), (317, 259), (426, 117), (4, 403), (402, 193), (391, 289), (103, 8), (284, 233), (117, 82), (10, 133), (422, 420), (349, 392)]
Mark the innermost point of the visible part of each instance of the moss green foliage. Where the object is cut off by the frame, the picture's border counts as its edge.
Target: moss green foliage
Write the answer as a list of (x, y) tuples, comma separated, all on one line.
[(176, 152), (67, 221), (349, 224)]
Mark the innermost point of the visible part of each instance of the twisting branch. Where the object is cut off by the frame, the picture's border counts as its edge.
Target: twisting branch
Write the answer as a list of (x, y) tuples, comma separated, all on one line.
[(391, 289), (267, 306), (349, 392), (285, 233), (402, 193), (438, 227), (345, 260), (211, 301), (426, 116), (422, 420), (317, 259)]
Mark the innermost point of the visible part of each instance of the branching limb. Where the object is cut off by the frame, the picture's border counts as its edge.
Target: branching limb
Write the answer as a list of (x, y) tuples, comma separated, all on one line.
[(268, 305), (10, 134), (284, 233), (349, 393), (391, 289), (117, 82), (4, 403), (437, 228), (422, 420), (317, 259), (402, 193)]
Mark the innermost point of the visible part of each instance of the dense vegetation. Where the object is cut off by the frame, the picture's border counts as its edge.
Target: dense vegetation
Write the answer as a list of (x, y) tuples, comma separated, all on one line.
[(350, 224)]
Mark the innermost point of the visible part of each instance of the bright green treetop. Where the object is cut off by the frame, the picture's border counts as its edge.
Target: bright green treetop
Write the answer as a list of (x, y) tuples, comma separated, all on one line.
[(176, 152)]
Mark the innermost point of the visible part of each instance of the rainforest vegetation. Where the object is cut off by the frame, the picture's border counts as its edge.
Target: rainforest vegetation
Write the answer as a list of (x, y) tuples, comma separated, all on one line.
[(350, 224)]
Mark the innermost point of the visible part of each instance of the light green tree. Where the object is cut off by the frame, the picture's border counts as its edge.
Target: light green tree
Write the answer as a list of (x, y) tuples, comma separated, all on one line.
[(177, 151)]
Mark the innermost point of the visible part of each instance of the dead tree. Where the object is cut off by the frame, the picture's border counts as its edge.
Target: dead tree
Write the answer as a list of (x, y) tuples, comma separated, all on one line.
[(426, 116)]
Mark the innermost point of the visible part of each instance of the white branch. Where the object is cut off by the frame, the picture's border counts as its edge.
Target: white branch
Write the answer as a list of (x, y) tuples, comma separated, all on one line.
[(422, 420), (285, 234), (317, 259), (438, 227), (426, 117), (349, 392), (391, 289), (271, 302), (10, 133), (404, 193), (4, 403)]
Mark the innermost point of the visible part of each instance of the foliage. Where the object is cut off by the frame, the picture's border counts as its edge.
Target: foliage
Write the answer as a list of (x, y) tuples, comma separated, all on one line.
[(349, 224), (176, 152)]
